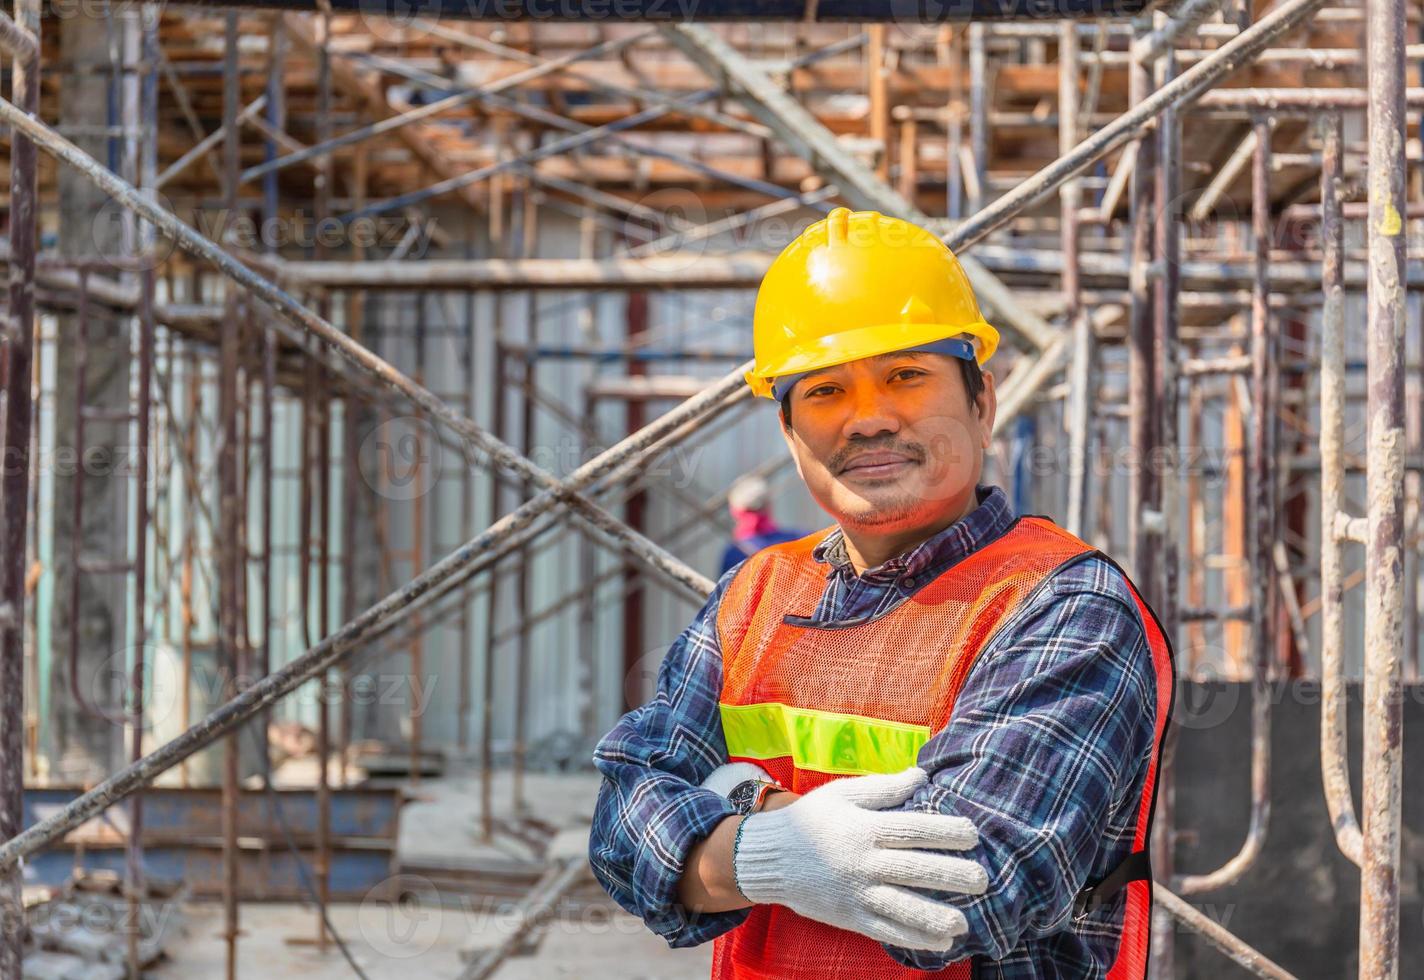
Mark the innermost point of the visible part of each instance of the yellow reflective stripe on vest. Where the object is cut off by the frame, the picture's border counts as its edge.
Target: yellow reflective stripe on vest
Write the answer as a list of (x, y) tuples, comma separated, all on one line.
[(823, 741)]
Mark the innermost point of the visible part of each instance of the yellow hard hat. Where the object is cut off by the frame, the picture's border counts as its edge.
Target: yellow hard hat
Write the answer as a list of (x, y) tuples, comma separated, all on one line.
[(857, 284)]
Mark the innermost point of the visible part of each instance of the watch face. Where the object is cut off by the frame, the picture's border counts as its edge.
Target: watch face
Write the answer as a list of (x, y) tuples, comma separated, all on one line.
[(743, 796)]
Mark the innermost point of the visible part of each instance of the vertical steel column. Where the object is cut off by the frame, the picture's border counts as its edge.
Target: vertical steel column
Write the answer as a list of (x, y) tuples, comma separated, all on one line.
[(978, 114), (1142, 407), (317, 425), (497, 426), (1167, 469), (1260, 528), (148, 109), (528, 242), (587, 653), (635, 508), (417, 560), (467, 526), (875, 82), (952, 55), (18, 351), (1384, 544), (271, 212), (191, 489), (351, 467), (227, 506), (1334, 769), (325, 687), (1080, 373)]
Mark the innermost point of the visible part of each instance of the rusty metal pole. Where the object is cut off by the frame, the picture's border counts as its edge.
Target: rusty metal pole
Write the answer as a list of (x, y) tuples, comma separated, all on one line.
[(467, 530), (134, 885), (1260, 525), (1334, 767), (1142, 407), (1167, 467), (1080, 372), (317, 425), (227, 510), (191, 489), (528, 242), (1384, 481), (978, 116), (18, 352)]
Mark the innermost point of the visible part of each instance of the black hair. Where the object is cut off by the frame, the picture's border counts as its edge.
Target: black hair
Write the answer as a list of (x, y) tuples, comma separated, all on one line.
[(973, 387)]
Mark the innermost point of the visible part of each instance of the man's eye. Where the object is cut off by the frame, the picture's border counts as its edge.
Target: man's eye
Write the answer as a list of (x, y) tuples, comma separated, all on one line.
[(820, 390), (908, 373)]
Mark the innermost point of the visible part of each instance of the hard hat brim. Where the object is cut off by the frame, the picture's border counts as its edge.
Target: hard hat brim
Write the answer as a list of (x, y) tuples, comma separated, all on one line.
[(853, 345)]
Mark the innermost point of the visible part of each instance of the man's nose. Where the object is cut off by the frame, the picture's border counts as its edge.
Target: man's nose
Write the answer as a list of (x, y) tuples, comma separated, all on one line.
[(872, 413)]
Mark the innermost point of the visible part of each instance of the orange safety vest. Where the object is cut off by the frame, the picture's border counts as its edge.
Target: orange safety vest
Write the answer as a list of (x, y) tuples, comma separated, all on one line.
[(811, 703)]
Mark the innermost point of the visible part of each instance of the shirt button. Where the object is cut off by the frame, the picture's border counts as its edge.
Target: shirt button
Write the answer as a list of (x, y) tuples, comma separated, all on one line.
[(909, 581)]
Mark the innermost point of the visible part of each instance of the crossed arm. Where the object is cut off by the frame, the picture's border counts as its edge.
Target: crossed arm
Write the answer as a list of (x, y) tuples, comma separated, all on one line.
[(1045, 754)]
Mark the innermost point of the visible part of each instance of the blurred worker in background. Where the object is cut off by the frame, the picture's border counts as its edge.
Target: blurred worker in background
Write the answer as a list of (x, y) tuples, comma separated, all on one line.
[(749, 502)]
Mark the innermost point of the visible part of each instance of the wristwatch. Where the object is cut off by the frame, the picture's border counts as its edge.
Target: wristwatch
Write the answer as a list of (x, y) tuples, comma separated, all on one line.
[(747, 796)]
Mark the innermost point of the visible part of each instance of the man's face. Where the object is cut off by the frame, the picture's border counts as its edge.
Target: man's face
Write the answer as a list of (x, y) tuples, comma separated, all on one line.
[(890, 443)]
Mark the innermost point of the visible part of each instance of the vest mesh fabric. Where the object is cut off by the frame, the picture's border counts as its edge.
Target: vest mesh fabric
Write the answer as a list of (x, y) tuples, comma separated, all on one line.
[(907, 666)]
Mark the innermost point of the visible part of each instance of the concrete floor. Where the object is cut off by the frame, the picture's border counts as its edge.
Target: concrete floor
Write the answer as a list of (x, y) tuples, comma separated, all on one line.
[(390, 944), (426, 939)]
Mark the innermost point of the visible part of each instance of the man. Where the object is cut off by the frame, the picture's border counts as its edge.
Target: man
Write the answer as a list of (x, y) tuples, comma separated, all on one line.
[(951, 716), (753, 528)]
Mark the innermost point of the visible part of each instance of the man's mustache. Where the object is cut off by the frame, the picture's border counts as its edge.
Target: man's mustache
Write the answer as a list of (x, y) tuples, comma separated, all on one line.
[(889, 444)]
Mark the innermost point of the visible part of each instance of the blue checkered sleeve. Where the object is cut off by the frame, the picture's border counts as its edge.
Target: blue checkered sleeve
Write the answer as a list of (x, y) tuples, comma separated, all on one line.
[(651, 810), (1046, 752)]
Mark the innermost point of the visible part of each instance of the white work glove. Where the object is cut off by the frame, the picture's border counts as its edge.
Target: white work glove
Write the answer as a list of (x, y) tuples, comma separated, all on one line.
[(830, 856)]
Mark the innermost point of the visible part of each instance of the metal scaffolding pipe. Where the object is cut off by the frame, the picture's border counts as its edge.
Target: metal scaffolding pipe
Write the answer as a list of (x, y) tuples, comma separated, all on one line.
[(1261, 526), (1334, 764), (1184, 19), (295, 320), (1386, 24), (1181, 91), (18, 352), (1296, 99), (333, 648), (17, 41), (429, 110), (1082, 386), (1237, 951)]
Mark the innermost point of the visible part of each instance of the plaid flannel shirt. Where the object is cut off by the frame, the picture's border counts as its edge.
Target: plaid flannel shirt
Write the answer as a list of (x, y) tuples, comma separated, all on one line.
[(1046, 752)]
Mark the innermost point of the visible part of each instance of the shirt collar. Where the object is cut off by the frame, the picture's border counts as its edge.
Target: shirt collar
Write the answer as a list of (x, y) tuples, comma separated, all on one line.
[(983, 524)]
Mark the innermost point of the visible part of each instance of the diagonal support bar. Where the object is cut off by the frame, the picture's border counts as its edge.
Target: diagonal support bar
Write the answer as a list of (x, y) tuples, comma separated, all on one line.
[(807, 137), (1181, 91), (394, 607), (296, 319)]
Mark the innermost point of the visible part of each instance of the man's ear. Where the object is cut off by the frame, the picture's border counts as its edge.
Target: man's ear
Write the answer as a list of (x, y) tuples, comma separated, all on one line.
[(988, 405), (789, 437)]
